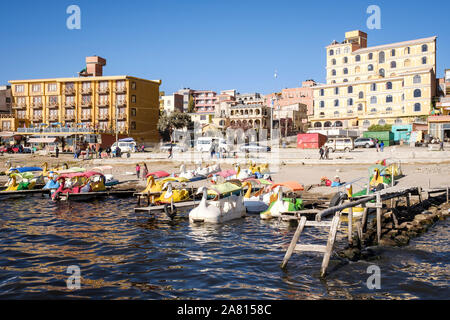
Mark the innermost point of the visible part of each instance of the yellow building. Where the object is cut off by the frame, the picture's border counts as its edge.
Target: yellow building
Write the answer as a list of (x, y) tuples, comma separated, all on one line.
[(386, 84), (89, 105)]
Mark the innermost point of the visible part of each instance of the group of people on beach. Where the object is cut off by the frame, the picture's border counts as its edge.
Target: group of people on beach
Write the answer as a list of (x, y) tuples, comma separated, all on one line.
[(144, 171), (324, 151)]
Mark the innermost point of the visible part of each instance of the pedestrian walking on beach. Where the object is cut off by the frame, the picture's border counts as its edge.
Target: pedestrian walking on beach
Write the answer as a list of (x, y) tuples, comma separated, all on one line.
[(213, 150), (321, 153), (327, 150), (377, 145), (381, 146), (144, 171), (441, 145), (170, 151), (138, 170), (57, 151)]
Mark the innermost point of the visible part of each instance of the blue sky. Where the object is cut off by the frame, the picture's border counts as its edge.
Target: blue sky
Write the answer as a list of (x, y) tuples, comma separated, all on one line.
[(204, 44)]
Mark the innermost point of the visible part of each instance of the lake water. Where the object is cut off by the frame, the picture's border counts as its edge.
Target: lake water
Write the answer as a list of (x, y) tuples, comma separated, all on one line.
[(126, 255)]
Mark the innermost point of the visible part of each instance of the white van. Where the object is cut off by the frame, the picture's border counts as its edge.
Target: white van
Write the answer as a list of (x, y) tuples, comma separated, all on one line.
[(124, 146), (204, 144), (340, 144)]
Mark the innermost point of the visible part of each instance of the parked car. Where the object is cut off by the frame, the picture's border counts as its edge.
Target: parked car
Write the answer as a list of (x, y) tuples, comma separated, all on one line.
[(364, 142), (124, 147), (175, 147), (254, 147), (340, 144)]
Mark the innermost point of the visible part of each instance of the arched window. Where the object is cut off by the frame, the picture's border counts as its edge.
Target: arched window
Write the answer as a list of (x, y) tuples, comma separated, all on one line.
[(393, 53), (373, 110), (382, 121), (336, 103), (346, 50), (336, 90), (345, 60), (393, 64), (417, 107), (370, 67), (370, 56), (322, 104), (322, 92), (338, 123), (350, 102), (407, 50), (345, 80), (360, 107), (417, 93), (407, 63), (417, 79), (424, 60), (403, 97), (424, 48), (336, 113), (366, 123), (373, 100), (318, 125), (333, 72), (327, 124), (388, 85), (349, 111), (381, 72), (361, 95), (357, 69), (398, 121), (381, 57), (331, 52), (358, 58), (350, 89), (345, 71), (333, 81), (389, 98), (333, 62), (388, 110), (322, 114), (373, 87)]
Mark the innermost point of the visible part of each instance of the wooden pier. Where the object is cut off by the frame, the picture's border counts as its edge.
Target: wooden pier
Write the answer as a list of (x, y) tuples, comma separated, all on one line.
[(376, 201)]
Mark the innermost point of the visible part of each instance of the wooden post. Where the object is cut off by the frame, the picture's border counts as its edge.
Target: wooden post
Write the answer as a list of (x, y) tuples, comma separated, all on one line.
[(294, 241), (359, 230), (379, 204), (408, 202), (447, 194), (419, 191), (364, 220), (392, 178), (330, 243), (368, 187), (350, 226)]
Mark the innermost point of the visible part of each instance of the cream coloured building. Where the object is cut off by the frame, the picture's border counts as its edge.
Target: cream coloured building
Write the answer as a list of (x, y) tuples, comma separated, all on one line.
[(386, 84)]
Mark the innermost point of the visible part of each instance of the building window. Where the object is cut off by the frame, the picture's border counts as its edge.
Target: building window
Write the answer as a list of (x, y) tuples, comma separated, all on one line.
[(333, 62), (331, 52), (393, 53), (417, 107), (336, 103), (333, 81), (133, 85), (389, 98), (345, 60), (403, 97), (336, 113), (322, 104), (388, 110), (373, 110), (361, 95), (381, 57), (424, 48), (36, 88), (333, 72), (381, 122), (393, 64), (373, 100), (345, 71), (417, 79), (373, 87), (52, 87), (338, 51), (398, 121), (370, 67), (336, 90), (350, 89), (345, 80), (366, 123), (202, 118), (388, 85), (407, 50), (133, 99), (327, 124), (370, 56), (358, 58), (350, 102), (424, 60), (133, 112), (360, 107), (417, 93), (322, 92), (381, 72), (19, 88), (133, 125), (318, 125)]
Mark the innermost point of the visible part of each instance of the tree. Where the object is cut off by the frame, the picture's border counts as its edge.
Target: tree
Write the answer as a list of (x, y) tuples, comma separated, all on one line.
[(377, 127), (168, 123), (191, 105)]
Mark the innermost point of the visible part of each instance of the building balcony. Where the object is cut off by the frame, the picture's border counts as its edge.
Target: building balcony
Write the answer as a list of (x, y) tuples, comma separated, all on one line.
[(122, 116), (86, 104), (121, 103), (19, 105), (37, 117), (103, 103), (36, 105), (103, 90), (69, 91), (121, 90), (21, 116), (103, 116), (69, 117), (69, 105), (86, 91), (53, 117), (53, 105), (86, 116)]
